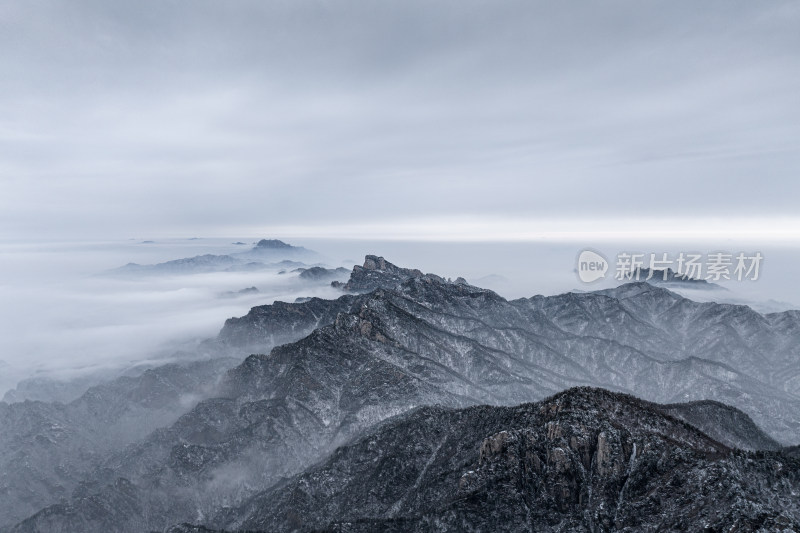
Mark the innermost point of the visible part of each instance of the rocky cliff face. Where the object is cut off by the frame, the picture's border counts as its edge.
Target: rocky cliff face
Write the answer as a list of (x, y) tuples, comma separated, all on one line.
[(377, 272), (583, 460), (267, 326)]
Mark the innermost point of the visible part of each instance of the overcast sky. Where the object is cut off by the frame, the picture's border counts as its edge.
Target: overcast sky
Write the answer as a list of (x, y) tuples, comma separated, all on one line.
[(137, 119)]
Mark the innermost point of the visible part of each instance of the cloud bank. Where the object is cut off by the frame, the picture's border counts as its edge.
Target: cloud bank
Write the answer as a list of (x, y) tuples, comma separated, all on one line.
[(119, 119)]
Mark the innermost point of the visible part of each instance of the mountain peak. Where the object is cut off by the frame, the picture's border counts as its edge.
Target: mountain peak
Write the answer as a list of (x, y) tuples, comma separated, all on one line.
[(377, 272), (375, 262), (586, 459), (272, 244)]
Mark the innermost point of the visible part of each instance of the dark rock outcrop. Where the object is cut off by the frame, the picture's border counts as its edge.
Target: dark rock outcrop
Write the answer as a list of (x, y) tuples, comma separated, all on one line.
[(270, 325), (583, 460), (376, 273)]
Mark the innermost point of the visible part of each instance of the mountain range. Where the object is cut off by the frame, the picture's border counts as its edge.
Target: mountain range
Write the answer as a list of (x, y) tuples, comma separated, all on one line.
[(360, 414), (266, 254), (582, 460)]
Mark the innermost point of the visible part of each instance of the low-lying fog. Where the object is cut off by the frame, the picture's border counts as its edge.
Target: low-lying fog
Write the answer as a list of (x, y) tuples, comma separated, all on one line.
[(62, 318)]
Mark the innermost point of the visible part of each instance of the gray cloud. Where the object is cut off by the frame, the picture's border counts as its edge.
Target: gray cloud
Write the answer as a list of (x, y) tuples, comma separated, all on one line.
[(122, 118)]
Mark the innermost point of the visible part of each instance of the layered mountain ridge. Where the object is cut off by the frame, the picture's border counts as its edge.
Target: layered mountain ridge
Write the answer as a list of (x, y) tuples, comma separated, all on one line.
[(419, 340), (266, 254)]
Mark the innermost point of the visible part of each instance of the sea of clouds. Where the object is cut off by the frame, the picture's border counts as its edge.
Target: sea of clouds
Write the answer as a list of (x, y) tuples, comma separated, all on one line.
[(63, 317)]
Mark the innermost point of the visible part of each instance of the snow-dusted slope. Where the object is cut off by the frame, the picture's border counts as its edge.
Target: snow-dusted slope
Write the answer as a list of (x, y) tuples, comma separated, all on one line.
[(421, 340)]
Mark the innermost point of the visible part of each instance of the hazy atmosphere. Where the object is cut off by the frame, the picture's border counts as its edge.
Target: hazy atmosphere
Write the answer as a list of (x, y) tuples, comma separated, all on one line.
[(180, 119), (422, 265), (415, 130)]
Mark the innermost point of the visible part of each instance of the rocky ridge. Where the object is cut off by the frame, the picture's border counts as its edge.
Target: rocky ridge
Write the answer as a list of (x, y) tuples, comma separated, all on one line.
[(425, 341), (584, 460)]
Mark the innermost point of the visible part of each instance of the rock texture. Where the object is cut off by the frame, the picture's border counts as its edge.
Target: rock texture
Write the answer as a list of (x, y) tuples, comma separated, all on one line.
[(270, 325), (584, 460), (377, 272)]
